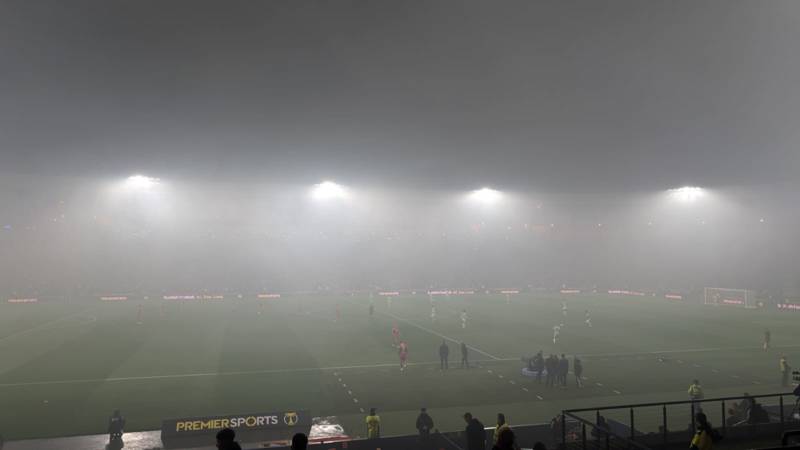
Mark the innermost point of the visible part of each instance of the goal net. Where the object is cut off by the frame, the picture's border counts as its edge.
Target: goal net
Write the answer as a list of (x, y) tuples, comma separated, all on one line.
[(730, 297)]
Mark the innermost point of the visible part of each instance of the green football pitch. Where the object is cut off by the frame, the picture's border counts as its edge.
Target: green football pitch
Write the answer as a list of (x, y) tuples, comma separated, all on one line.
[(65, 367)]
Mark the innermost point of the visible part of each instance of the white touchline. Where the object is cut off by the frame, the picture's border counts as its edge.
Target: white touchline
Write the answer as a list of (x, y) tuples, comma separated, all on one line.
[(212, 374)]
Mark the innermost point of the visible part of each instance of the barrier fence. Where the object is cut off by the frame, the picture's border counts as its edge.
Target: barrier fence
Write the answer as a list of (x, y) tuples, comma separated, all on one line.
[(658, 425)]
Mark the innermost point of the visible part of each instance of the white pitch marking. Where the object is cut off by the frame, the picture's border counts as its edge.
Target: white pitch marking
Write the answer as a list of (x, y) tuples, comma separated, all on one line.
[(599, 384), (317, 369), (525, 389), (512, 381), (496, 358), (355, 400), (215, 374), (501, 377), (686, 350), (617, 392), (350, 392), (539, 397)]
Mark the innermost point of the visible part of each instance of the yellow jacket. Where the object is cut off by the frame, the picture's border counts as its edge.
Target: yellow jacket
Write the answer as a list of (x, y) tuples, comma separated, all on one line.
[(701, 441), (373, 427)]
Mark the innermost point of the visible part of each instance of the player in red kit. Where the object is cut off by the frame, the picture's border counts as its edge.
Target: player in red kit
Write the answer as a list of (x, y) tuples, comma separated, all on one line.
[(395, 336)]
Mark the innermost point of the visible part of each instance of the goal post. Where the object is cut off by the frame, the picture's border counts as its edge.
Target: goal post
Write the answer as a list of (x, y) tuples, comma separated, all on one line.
[(741, 298)]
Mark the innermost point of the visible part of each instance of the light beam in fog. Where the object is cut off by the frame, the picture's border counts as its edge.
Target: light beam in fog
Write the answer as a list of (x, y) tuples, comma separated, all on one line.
[(328, 190)]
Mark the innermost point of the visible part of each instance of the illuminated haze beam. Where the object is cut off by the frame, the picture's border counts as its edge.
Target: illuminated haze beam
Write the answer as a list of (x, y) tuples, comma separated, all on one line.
[(141, 182), (686, 194), (328, 190), (486, 196)]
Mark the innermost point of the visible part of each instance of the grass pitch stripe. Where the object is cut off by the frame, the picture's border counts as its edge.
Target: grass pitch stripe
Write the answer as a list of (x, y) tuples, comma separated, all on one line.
[(685, 350), (496, 358), (43, 326), (212, 374)]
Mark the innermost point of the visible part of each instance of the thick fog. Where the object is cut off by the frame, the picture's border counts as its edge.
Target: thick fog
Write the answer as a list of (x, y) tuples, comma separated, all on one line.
[(95, 236), (581, 114)]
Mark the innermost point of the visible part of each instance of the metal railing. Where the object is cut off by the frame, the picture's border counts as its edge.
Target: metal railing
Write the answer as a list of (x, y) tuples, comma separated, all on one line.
[(646, 425), (581, 434)]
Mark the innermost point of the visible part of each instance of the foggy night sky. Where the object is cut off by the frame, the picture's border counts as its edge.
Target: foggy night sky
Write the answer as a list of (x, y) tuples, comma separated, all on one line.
[(561, 95), (586, 111)]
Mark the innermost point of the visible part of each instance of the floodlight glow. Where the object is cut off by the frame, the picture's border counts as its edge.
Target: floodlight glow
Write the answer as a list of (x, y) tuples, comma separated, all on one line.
[(141, 182), (486, 195), (687, 194), (328, 190)]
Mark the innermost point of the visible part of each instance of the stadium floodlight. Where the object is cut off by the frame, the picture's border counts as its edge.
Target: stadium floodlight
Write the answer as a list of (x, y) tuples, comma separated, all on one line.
[(141, 182), (686, 194), (328, 190), (486, 196)]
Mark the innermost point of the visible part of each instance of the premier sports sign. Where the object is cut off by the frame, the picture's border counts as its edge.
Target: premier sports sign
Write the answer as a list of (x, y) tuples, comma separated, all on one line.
[(200, 431)]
